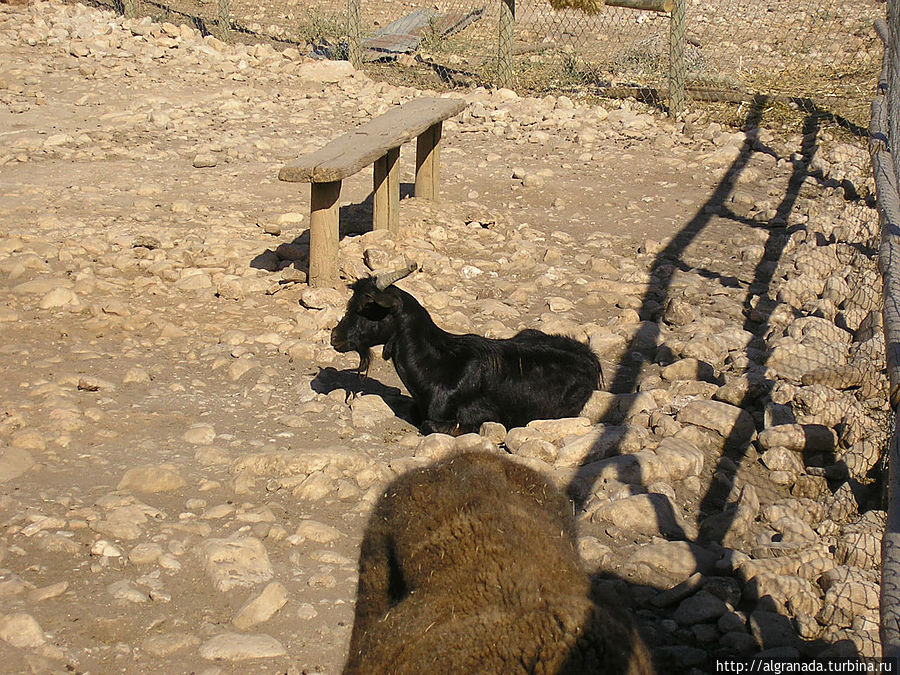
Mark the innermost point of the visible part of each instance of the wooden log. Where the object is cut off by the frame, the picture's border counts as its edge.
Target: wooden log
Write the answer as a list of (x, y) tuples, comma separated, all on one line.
[(663, 6), (354, 50), (596, 6), (428, 162), (323, 233), (386, 192)]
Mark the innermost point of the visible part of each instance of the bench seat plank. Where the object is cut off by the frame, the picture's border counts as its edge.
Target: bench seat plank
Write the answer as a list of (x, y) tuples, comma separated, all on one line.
[(355, 149)]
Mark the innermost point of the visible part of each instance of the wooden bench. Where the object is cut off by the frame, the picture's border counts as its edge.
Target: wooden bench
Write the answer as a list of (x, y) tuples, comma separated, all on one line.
[(375, 142)]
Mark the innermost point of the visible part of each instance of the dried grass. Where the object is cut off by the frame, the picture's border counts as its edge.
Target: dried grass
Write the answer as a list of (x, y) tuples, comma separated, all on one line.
[(586, 6)]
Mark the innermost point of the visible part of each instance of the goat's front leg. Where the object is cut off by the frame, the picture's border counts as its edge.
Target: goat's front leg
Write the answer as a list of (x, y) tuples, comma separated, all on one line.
[(450, 427), (457, 413)]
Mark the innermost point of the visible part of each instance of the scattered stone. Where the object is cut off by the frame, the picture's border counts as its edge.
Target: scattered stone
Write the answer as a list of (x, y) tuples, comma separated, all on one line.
[(236, 562), (240, 647), (261, 607), (167, 644), (652, 514), (200, 434), (21, 630), (13, 463), (151, 479)]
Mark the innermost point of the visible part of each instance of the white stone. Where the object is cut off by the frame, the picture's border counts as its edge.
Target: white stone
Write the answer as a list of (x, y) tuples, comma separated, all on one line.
[(236, 562), (261, 607), (21, 630), (240, 647)]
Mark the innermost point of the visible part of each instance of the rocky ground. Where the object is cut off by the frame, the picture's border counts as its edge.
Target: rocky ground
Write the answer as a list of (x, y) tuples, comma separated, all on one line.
[(183, 478)]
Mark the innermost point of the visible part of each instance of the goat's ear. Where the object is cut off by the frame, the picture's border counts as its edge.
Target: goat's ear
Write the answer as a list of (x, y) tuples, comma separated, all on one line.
[(387, 300)]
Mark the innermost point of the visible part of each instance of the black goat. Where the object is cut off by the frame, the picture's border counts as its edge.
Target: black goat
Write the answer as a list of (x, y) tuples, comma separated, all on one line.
[(459, 381)]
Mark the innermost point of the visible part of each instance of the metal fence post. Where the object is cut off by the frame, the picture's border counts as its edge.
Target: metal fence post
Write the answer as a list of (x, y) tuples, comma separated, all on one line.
[(677, 27), (354, 51), (505, 42)]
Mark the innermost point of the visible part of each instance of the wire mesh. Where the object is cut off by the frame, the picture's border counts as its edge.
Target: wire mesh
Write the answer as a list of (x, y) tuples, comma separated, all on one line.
[(885, 139), (823, 52)]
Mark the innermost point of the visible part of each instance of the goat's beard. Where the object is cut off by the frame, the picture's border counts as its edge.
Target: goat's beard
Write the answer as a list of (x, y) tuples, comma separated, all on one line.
[(362, 371), (365, 358)]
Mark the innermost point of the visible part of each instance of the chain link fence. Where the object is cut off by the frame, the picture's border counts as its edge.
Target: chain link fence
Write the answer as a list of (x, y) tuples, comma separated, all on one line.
[(884, 146), (806, 53)]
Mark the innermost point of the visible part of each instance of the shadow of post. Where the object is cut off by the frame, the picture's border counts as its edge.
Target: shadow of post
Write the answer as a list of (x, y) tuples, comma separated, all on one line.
[(756, 320), (626, 379)]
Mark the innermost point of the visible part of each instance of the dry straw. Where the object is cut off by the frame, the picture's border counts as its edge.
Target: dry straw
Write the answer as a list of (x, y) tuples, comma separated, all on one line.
[(586, 6)]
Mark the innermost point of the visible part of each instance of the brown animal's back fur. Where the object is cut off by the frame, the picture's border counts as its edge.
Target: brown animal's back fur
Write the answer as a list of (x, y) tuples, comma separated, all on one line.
[(469, 566)]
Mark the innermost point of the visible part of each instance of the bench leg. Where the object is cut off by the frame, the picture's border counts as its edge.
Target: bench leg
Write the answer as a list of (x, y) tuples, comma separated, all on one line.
[(323, 233), (428, 162), (386, 198)]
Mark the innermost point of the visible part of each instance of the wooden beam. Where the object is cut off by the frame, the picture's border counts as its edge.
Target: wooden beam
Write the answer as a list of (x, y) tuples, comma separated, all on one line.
[(665, 6), (356, 149), (323, 233), (596, 6), (428, 162), (386, 192)]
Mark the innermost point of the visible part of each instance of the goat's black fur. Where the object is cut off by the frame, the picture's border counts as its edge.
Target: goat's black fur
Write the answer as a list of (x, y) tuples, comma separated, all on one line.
[(460, 381)]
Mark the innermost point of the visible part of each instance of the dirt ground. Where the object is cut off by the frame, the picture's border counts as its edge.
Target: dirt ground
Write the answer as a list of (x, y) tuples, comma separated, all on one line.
[(166, 387)]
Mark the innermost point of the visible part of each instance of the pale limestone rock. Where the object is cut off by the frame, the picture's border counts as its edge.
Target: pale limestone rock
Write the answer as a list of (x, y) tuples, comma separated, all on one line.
[(236, 562), (677, 560), (145, 554), (311, 530), (151, 479), (325, 71), (435, 446), (240, 647), (652, 514), (799, 437), (14, 462), (261, 607), (200, 434), (166, 644), (734, 425), (126, 590), (369, 411), (21, 630)]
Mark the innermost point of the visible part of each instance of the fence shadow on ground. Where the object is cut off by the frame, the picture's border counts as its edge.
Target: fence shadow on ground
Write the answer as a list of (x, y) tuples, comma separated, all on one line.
[(718, 508)]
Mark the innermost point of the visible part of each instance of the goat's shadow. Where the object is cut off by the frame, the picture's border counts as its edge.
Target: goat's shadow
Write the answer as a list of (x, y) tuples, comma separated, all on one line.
[(356, 384), (353, 220)]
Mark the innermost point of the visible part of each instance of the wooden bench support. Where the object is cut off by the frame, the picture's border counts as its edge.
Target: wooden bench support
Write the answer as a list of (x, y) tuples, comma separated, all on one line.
[(386, 192), (428, 162), (323, 233), (376, 143)]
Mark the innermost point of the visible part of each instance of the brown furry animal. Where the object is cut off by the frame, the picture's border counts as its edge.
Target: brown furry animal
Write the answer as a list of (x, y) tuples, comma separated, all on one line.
[(470, 566)]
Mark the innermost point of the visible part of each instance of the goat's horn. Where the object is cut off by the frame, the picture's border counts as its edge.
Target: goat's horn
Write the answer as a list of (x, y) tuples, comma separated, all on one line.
[(382, 281)]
